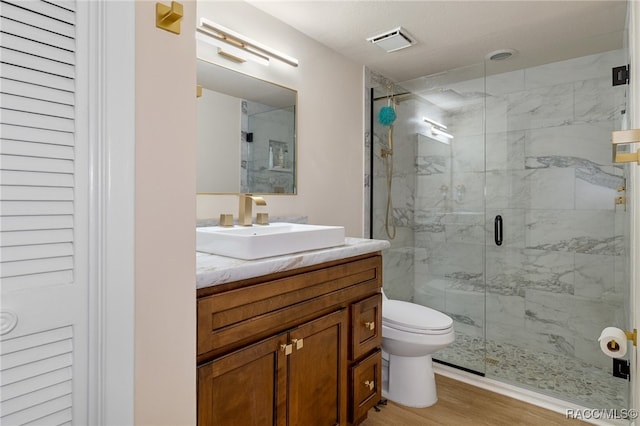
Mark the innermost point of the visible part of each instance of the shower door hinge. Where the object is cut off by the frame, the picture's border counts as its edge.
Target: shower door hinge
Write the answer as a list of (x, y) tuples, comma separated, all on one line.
[(620, 75), (621, 369)]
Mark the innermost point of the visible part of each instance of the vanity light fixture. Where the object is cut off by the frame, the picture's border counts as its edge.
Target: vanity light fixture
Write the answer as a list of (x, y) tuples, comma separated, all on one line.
[(438, 128), (437, 131), (241, 43), (435, 123), (231, 51)]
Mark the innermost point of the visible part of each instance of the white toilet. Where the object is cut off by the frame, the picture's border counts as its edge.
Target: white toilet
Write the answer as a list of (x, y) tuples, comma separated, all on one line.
[(411, 333)]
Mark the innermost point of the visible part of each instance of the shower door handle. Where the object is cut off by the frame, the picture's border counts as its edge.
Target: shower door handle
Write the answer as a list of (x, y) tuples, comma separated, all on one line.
[(497, 230)]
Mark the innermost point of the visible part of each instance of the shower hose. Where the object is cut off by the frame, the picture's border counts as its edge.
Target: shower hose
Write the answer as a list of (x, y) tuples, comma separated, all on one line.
[(389, 221)]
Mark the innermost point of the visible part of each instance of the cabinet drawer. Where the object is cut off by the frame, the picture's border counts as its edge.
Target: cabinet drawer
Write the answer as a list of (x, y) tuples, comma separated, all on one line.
[(366, 326), (233, 318), (366, 385)]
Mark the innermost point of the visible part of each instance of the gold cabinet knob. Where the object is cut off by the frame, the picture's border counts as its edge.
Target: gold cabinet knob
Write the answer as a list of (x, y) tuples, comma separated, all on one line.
[(287, 349), (298, 342), (370, 384), (370, 325)]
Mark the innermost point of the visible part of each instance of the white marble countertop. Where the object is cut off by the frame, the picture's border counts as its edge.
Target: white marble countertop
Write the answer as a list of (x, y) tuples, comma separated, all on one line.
[(213, 270)]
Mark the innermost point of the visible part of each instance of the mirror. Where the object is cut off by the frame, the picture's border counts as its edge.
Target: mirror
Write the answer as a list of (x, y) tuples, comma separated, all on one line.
[(246, 133)]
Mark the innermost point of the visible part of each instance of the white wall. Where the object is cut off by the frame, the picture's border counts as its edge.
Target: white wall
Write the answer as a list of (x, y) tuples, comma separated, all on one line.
[(330, 120), (165, 181), (218, 152)]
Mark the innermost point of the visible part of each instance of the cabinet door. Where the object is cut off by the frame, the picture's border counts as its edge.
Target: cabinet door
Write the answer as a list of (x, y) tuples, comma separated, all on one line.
[(317, 372), (246, 387)]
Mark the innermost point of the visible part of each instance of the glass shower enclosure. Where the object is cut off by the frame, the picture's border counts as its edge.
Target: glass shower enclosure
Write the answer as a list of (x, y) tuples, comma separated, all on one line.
[(504, 206)]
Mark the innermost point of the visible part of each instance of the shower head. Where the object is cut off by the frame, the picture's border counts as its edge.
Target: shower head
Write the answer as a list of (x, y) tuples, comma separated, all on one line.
[(501, 55)]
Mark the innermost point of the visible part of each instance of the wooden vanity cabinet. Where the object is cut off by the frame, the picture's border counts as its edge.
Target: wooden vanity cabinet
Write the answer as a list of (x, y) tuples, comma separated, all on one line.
[(300, 347)]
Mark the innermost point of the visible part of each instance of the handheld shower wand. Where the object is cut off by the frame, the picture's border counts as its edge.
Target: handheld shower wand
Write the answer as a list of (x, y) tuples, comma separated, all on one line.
[(386, 117)]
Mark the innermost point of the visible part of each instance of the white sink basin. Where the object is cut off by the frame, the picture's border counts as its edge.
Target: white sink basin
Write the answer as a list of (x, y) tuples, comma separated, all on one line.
[(258, 241)]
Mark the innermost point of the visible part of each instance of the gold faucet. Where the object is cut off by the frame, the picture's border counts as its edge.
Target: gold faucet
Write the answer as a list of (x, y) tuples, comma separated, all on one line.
[(244, 212)]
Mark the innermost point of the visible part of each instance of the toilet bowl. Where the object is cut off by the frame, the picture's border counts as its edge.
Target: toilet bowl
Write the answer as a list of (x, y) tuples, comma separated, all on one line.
[(411, 333)]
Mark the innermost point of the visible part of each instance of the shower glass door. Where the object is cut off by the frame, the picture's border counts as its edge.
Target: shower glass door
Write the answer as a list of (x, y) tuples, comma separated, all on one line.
[(503, 196), (438, 256), (556, 277)]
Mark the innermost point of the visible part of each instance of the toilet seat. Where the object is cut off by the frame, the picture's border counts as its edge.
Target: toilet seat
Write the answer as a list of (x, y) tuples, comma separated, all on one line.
[(414, 318)]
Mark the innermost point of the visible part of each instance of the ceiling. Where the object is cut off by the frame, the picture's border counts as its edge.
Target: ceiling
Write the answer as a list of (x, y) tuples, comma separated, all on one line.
[(239, 85), (455, 33)]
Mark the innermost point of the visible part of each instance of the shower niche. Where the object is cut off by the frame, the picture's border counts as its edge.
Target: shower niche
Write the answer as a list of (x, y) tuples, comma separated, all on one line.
[(531, 146), (279, 156)]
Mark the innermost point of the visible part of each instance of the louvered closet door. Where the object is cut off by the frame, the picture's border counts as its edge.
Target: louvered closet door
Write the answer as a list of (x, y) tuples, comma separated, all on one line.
[(44, 214)]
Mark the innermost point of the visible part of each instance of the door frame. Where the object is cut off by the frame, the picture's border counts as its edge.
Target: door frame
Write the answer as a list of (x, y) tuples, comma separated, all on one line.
[(108, 35), (633, 25)]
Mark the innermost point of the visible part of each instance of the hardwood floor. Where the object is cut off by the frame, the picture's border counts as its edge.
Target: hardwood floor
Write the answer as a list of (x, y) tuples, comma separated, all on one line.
[(462, 404)]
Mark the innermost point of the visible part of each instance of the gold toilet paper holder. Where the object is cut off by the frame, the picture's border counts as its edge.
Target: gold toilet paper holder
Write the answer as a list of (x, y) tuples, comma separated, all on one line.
[(633, 336), (614, 346)]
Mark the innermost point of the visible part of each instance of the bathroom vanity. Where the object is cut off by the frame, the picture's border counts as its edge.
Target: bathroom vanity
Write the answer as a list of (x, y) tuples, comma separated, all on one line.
[(290, 340)]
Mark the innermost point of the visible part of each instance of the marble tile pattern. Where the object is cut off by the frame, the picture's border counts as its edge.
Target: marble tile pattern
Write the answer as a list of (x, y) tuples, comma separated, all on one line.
[(537, 153), (398, 260), (244, 147), (213, 270), (255, 174)]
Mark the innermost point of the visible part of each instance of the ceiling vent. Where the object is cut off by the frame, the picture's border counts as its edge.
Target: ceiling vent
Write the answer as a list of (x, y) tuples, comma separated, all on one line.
[(393, 40)]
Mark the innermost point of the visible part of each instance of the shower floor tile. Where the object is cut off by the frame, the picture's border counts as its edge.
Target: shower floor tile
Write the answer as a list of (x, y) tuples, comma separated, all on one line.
[(555, 375)]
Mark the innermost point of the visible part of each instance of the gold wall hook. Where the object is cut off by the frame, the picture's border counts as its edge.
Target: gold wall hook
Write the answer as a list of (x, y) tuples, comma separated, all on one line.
[(168, 18), (625, 137)]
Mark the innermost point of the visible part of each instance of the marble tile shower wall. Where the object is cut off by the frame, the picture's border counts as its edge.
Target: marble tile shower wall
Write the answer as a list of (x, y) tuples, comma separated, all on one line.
[(268, 128), (398, 263), (556, 281), (244, 147)]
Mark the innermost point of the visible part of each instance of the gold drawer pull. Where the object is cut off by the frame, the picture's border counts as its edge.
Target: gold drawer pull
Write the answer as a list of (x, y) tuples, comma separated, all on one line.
[(298, 342), (370, 325), (287, 349), (370, 384)]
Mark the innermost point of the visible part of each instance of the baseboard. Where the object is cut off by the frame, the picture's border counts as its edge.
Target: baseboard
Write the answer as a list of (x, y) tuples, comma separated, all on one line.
[(525, 395)]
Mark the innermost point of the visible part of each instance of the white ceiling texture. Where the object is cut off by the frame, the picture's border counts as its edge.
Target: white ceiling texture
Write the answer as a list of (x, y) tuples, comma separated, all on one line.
[(454, 33)]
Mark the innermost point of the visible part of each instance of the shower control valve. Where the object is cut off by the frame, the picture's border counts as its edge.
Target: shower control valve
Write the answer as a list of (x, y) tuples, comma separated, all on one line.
[(444, 189)]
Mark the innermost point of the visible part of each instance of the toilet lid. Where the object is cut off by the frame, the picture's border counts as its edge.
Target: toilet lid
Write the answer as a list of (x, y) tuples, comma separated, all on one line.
[(405, 315)]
